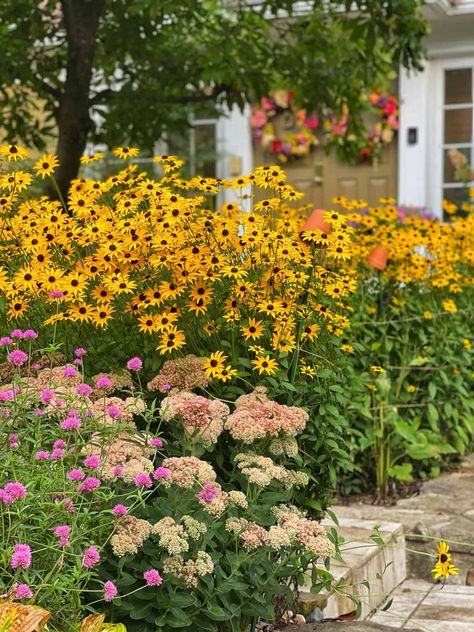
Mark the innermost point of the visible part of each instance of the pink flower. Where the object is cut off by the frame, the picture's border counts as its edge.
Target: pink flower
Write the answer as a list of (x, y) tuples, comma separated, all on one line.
[(72, 422), (36, 366), (110, 591), (30, 334), (152, 577), (56, 294), (90, 557), (17, 357), (63, 531), (15, 490), (7, 396), (59, 443), (68, 505), (17, 333), (5, 340), (84, 389), (76, 475), (134, 364), (156, 443), (41, 455), (5, 498), (165, 387), (103, 382), (161, 472), (23, 591), (46, 395), (92, 462), (114, 412), (69, 371), (120, 510), (57, 454), (118, 470), (89, 485), (79, 352), (21, 557), (143, 480), (77, 361), (207, 494)]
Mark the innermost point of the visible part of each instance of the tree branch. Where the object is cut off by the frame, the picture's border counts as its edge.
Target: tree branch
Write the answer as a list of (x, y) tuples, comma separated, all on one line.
[(55, 92)]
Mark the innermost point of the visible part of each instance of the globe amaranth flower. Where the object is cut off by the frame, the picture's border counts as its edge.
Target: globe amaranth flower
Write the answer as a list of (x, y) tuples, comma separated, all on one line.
[(23, 591), (208, 493), (80, 352), (21, 557), (104, 382), (89, 484), (63, 532), (84, 389), (92, 462), (5, 340), (119, 510), (152, 577), (41, 455), (156, 443), (17, 333), (143, 480), (29, 334), (57, 454), (15, 490), (134, 364), (110, 591), (161, 472), (76, 475), (90, 557), (17, 357)]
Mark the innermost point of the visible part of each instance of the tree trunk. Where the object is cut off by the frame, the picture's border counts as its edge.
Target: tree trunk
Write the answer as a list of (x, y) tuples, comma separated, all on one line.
[(81, 21)]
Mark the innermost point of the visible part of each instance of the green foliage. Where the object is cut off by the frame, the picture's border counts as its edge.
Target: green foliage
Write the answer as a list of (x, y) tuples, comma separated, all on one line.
[(164, 57)]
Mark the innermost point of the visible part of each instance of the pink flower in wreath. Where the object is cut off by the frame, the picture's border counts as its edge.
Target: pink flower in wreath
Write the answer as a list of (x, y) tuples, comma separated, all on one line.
[(258, 118), (267, 104), (312, 122)]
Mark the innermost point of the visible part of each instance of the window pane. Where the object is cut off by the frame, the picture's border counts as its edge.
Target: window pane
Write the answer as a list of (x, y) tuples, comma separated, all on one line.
[(458, 126), (449, 168), (457, 196), (458, 86)]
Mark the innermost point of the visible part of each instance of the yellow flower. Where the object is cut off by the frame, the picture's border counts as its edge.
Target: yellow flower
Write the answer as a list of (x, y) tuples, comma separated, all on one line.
[(443, 566), (427, 315), (309, 371), (256, 349), (125, 152), (46, 165), (254, 330), (214, 364), (85, 160), (467, 343), (347, 348), (411, 388), (226, 373), (13, 152), (265, 364), (377, 369), (449, 306)]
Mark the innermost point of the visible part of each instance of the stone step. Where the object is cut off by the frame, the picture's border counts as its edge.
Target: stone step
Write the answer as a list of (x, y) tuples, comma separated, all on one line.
[(367, 570)]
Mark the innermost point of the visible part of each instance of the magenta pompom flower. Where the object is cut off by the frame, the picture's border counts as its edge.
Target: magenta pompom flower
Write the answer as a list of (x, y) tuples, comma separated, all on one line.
[(84, 389), (79, 352), (156, 443), (23, 591), (5, 340), (89, 484), (70, 371), (15, 490), (134, 364), (161, 472), (17, 333), (76, 475), (56, 294), (152, 577), (21, 557), (30, 334), (120, 510), (143, 480), (110, 591), (90, 557), (17, 357), (92, 462), (103, 382), (63, 531), (207, 494), (41, 455)]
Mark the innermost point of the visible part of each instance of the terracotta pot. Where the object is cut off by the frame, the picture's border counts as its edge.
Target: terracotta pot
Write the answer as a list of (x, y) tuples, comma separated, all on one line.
[(378, 258), (315, 220)]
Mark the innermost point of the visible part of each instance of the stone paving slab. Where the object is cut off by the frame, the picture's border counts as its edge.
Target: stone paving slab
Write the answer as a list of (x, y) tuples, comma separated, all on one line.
[(429, 607)]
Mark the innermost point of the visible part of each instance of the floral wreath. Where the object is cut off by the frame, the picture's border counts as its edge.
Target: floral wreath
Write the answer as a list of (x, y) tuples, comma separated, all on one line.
[(351, 147)]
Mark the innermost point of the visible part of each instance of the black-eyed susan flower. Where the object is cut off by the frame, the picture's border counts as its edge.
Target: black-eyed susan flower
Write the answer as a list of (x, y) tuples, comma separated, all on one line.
[(253, 330), (265, 365), (85, 160), (125, 152), (46, 165), (214, 364), (171, 340), (444, 566), (13, 152), (377, 369)]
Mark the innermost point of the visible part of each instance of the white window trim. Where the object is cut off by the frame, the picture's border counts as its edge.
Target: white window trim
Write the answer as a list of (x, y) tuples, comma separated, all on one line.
[(435, 176)]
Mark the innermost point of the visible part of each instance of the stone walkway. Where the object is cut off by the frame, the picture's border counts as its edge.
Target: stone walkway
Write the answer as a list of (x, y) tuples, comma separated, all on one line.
[(444, 509), (420, 605)]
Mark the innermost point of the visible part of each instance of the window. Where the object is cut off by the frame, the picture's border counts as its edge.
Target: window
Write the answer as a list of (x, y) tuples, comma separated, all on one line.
[(458, 130)]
